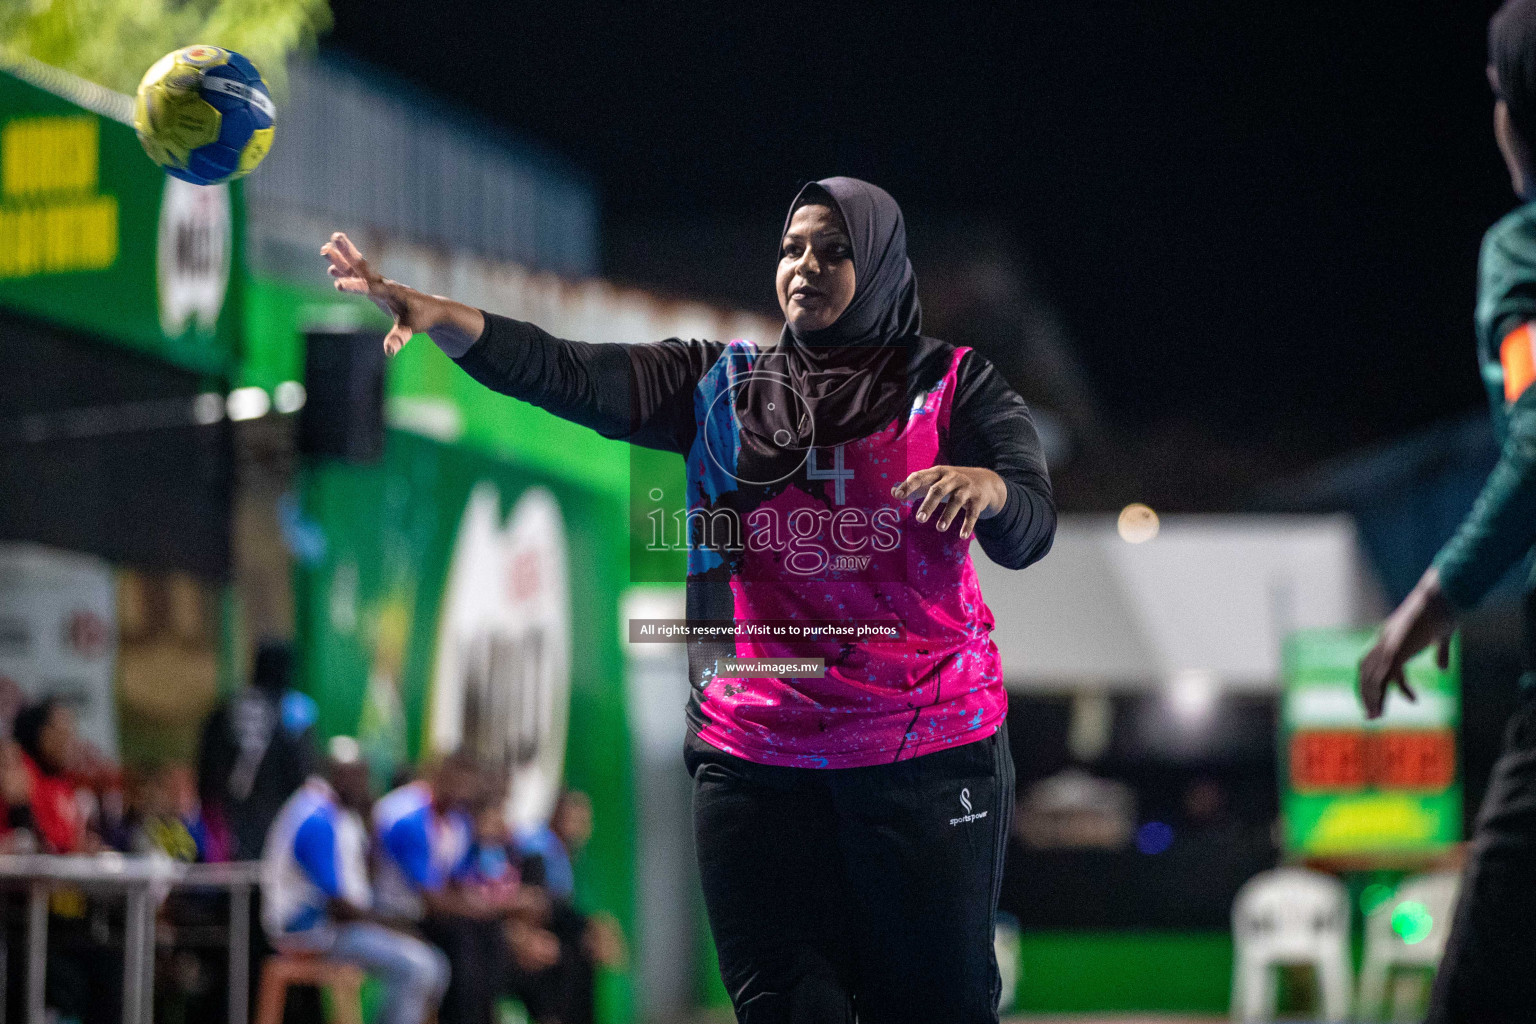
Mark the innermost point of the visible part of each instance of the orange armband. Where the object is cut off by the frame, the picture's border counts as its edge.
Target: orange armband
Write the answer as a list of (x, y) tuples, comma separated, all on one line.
[(1517, 354)]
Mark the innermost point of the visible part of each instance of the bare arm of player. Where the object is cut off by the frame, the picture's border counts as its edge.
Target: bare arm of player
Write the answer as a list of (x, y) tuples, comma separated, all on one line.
[(1425, 617), (453, 326), (976, 492)]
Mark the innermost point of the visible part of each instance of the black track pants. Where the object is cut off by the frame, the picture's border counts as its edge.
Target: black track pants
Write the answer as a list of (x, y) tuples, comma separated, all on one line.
[(866, 893), (1488, 975)]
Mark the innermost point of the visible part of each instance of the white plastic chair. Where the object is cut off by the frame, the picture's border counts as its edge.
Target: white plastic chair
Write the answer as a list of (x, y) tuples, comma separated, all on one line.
[(1424, 904), (1289, 916)]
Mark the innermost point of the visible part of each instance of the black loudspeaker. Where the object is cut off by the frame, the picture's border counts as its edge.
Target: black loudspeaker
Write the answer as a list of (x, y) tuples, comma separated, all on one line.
[(343, 414)]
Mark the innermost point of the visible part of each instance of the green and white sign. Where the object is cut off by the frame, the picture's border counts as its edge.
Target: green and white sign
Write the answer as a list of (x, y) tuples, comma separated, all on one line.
[(95, 237), (1349, 786), (458, 598), (501, 685)]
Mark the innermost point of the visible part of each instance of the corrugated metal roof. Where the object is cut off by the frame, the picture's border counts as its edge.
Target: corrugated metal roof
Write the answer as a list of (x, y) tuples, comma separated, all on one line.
[(361, 148)]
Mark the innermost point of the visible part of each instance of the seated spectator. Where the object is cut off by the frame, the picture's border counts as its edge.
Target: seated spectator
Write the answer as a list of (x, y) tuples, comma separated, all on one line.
[(49, 748), (160, 815), (45, 732), (494, 872), (98, 783), (425, 838), (566, 991), (493, 869), (317, 896), (492, 863), (165, 816), (554, 842)]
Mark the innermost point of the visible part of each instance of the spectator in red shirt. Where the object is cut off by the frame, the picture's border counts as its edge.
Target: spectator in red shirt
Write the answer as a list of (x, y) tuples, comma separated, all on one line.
[(45, 731), (49, 751)]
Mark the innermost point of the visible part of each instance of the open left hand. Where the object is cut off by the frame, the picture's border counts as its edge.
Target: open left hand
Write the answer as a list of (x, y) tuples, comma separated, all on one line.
[(1425, 617), (969, 490)]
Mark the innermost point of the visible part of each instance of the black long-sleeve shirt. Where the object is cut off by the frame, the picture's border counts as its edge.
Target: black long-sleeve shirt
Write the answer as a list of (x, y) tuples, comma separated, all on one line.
[(644, 394)]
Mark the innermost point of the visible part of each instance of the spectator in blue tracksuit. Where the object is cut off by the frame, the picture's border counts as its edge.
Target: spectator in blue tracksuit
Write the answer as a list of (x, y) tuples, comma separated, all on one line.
[(549, 846), (586, 940), (317, 896), (425, 837)]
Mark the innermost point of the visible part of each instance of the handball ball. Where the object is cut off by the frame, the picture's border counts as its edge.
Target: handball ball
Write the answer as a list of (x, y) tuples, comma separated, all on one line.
[(204, 114)]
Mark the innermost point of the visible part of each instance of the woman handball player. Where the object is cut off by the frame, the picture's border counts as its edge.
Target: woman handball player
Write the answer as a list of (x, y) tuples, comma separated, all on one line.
[(850, 822)]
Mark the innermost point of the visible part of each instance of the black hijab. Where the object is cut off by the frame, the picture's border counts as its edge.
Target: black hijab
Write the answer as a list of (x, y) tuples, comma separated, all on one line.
[(847, 380)]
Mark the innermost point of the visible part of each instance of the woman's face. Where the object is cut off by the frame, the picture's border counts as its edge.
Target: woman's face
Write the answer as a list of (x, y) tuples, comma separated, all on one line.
[(815, 281)]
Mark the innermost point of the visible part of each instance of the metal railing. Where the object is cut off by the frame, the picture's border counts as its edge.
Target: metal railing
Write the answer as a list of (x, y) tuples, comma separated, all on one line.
[(143, 882)]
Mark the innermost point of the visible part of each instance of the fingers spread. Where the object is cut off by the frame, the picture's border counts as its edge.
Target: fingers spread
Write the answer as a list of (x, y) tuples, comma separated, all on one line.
[(943, 485), (346, 248), (338, 261)]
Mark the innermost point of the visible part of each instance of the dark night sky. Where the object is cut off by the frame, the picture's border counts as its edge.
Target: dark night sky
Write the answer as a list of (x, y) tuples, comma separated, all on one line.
[(1263, 217)]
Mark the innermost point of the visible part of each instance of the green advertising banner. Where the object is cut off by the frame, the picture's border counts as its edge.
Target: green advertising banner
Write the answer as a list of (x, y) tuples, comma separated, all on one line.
[(95, 237), (451, 599), (1349, 786)]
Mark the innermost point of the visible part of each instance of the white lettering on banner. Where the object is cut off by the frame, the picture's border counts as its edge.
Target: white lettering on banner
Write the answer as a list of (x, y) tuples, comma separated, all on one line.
[(193, 257)]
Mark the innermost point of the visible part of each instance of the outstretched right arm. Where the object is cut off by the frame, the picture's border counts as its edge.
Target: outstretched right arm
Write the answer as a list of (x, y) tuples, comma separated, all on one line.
[(639, 393), (452, 325)]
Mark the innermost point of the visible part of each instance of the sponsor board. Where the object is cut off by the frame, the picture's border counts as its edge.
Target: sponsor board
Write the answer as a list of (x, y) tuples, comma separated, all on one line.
[(501, 682)]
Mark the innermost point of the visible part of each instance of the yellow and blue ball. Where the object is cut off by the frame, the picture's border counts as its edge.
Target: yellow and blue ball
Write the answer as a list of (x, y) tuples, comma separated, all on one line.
[(204, 114)]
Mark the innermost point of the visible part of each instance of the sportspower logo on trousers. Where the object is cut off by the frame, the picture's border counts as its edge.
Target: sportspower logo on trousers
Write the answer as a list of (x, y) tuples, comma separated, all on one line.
[(968, 816)]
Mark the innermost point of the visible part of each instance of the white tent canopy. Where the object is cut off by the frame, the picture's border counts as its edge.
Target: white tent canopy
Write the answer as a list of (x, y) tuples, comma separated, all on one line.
[(1209, 597)]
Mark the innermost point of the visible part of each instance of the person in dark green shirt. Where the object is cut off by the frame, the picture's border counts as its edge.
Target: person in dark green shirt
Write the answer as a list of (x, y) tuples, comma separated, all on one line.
[(1488, 973)]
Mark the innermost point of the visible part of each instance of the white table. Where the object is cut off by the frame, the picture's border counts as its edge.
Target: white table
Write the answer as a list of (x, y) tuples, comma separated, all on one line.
[(143, 882)]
